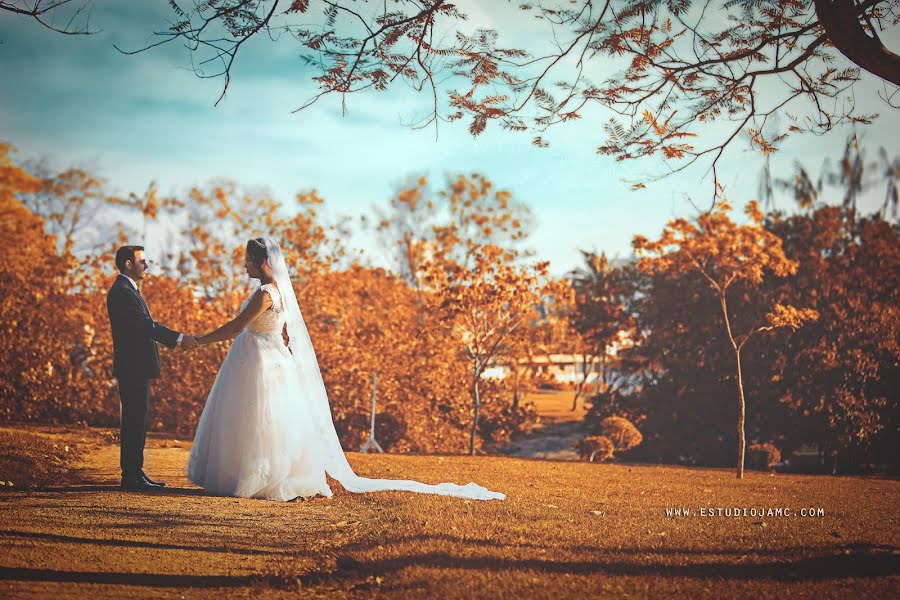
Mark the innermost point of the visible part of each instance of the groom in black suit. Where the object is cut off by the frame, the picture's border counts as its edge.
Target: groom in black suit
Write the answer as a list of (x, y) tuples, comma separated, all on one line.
[(135, 361)]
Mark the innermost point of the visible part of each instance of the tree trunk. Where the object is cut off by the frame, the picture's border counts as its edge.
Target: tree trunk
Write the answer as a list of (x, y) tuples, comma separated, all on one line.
[(515, 404), (587, 367), (741, 416), (579, 388), (740, 385), (476, 398), (840, 20)]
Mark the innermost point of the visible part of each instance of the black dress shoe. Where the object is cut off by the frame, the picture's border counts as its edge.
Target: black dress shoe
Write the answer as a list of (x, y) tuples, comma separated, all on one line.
[(152, 482), (137, 484)]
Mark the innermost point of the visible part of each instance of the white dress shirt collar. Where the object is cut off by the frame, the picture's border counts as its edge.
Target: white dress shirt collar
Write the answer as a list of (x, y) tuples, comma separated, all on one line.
[(129, 279)]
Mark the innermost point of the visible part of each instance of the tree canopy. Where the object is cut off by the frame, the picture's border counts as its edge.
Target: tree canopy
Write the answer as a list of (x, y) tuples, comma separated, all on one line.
[(664, 69)]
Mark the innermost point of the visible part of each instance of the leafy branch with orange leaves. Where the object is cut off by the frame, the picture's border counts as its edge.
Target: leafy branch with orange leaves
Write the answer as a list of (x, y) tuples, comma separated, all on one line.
[(666, 69)]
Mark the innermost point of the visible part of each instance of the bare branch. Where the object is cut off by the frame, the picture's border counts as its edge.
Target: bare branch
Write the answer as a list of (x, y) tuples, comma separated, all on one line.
[(77, 15)]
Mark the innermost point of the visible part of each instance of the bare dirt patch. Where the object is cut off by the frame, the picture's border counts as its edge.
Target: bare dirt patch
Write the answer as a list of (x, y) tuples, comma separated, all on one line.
[(565, 530), (559, 428)]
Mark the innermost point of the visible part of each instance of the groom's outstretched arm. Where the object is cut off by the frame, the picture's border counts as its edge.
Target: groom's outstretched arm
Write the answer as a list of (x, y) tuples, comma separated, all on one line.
[(132, 314)]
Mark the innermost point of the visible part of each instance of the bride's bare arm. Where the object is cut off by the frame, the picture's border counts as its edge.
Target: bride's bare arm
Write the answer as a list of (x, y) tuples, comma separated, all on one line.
[(259, 303)]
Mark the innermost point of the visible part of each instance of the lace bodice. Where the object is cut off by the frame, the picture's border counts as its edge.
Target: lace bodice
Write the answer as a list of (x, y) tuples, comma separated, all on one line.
[(272, 320)]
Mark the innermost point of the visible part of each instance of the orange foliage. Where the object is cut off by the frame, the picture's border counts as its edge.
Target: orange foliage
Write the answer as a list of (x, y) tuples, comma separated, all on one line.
[(57, 344)]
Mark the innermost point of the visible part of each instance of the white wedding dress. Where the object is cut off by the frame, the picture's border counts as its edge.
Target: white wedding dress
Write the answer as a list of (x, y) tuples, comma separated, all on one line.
[(266, 430), (253, 439)]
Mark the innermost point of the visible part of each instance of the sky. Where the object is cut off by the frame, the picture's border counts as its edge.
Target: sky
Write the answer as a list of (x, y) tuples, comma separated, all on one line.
[(77, 101)]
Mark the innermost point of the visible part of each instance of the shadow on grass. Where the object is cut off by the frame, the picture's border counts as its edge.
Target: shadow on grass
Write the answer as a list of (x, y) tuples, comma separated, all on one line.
[(786, 564), (166, 491), (784, 552), (862, 561), (69, 539), (153, 580), (865, 561), (95, 488), (858, 560)]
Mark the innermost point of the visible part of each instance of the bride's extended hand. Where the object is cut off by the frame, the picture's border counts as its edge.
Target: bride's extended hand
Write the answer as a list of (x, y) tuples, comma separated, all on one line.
[(189, 342)]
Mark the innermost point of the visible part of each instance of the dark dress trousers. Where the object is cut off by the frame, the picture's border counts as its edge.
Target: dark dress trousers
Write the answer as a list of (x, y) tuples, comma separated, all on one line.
[(135, 363)]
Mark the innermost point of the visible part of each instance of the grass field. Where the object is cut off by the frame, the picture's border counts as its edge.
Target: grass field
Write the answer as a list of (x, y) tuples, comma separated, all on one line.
[(565, 530), (556, 406)]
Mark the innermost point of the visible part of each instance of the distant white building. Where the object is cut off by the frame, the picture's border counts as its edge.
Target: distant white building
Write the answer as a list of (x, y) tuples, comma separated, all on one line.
[(563, 368)]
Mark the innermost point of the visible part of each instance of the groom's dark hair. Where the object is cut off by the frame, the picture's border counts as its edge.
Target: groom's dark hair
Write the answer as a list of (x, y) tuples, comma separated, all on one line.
[(256, 249), (125, 253)]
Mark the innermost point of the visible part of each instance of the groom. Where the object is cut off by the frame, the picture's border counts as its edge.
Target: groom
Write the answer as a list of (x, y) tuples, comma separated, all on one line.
[(135, 361)]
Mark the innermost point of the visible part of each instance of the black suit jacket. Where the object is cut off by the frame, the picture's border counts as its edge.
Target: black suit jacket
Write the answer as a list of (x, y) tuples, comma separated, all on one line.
[(134, 333)]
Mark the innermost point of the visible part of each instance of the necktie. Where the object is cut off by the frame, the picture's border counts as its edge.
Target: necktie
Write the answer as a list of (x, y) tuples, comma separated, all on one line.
[(147, 308)]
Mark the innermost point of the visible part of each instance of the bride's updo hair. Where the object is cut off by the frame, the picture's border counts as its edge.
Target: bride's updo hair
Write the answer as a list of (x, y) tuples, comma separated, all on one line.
[(257, 251)]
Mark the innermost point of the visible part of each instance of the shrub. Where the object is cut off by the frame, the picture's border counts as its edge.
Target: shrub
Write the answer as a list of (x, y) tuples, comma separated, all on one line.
[(500, 422), (597, 447), (621, 432), (762, 456)]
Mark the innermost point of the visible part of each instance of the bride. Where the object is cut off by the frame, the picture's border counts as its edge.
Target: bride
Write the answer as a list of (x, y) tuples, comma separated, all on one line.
[(266, 429)]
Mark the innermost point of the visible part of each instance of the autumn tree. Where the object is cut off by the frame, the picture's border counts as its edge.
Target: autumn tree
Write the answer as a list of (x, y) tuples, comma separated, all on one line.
[(435, 235), (35, 306), (486, 304), (80, 213), (603, 320), (549, 333), (836, 374), (360, 319), (405, 229), (480, 243), (669, 68), (422, 226), (724, 254), (70, 202), (479, 214), (836, 387), (19, 222), (363, 321)]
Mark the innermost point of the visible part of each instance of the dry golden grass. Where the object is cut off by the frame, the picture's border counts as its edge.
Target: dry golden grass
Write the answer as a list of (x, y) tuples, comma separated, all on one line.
[(565, 530), (555, 406), (30, 457)]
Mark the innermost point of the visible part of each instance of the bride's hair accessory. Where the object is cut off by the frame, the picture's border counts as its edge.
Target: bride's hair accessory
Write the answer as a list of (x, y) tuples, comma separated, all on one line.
[(257, 250)]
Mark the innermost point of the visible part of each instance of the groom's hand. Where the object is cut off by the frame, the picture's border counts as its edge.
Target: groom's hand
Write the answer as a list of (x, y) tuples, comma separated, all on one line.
[(189, 342)]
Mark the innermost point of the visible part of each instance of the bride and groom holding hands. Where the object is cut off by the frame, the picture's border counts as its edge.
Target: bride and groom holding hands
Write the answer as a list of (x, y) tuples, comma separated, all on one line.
[(266, 429)]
